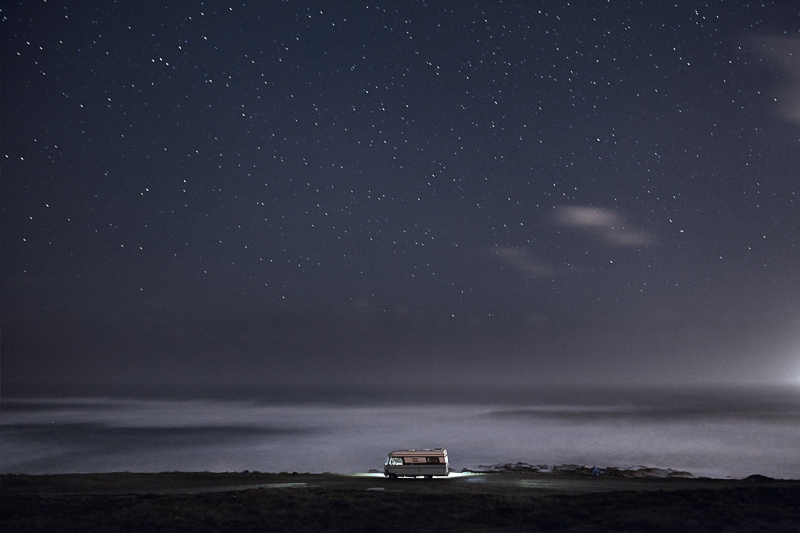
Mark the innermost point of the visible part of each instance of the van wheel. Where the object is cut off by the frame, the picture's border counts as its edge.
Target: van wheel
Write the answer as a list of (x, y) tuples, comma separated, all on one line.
[(392, 476), (428, 477)]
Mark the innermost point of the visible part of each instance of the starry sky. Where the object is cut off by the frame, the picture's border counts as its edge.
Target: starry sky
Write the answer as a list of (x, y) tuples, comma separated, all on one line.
[(400, 192)]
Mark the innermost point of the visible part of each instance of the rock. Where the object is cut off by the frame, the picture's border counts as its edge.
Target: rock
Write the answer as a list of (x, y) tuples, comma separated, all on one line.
[(759, 478)]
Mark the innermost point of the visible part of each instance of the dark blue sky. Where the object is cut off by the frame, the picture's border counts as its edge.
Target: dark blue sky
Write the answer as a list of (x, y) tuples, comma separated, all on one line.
[(400, 191)]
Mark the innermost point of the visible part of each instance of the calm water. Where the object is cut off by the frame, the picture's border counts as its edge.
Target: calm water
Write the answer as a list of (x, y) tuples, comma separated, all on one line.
[(718, 432)]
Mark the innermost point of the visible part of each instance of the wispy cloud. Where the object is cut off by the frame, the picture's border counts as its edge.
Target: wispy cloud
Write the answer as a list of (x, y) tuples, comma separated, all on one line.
[(606, 224), (523, 261), (784, 53)]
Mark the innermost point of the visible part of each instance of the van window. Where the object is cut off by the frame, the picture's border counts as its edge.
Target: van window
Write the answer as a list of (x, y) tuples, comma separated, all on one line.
[(434, 460), (394, 461)]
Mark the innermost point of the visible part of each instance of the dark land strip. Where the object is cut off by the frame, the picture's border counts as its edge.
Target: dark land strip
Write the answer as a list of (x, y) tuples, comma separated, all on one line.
[(328, 502)]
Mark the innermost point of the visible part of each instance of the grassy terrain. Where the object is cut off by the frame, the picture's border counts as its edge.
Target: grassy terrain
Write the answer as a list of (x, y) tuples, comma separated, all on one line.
[(345, 503)]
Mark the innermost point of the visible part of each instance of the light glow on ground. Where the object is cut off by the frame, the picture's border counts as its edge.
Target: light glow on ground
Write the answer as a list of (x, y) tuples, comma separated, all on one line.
[(450, 476)]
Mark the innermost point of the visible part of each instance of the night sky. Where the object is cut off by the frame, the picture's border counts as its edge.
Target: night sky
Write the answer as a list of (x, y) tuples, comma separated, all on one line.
[(400, 192)]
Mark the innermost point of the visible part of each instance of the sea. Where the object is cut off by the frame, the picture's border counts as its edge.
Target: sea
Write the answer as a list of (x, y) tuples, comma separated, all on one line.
[(719, 432)]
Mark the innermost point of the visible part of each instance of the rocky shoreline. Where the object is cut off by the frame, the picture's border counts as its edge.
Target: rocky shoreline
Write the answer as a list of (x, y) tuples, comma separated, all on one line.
[(612, 471)]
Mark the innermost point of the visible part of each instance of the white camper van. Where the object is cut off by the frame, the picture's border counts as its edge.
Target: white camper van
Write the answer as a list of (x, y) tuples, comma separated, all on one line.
[(413, 463)]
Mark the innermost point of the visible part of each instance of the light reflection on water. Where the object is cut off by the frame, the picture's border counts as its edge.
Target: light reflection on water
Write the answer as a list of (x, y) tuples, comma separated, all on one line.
[(717, 433)]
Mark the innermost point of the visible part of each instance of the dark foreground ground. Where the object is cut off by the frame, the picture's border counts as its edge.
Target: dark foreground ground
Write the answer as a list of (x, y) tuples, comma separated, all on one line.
[(327, 502)]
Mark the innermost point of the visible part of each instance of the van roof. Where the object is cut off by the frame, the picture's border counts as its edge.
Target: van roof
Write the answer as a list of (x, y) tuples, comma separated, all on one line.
[(426, 452)]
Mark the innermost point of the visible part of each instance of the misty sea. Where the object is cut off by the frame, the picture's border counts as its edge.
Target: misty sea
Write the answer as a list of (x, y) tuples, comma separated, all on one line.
[(714, 432)]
